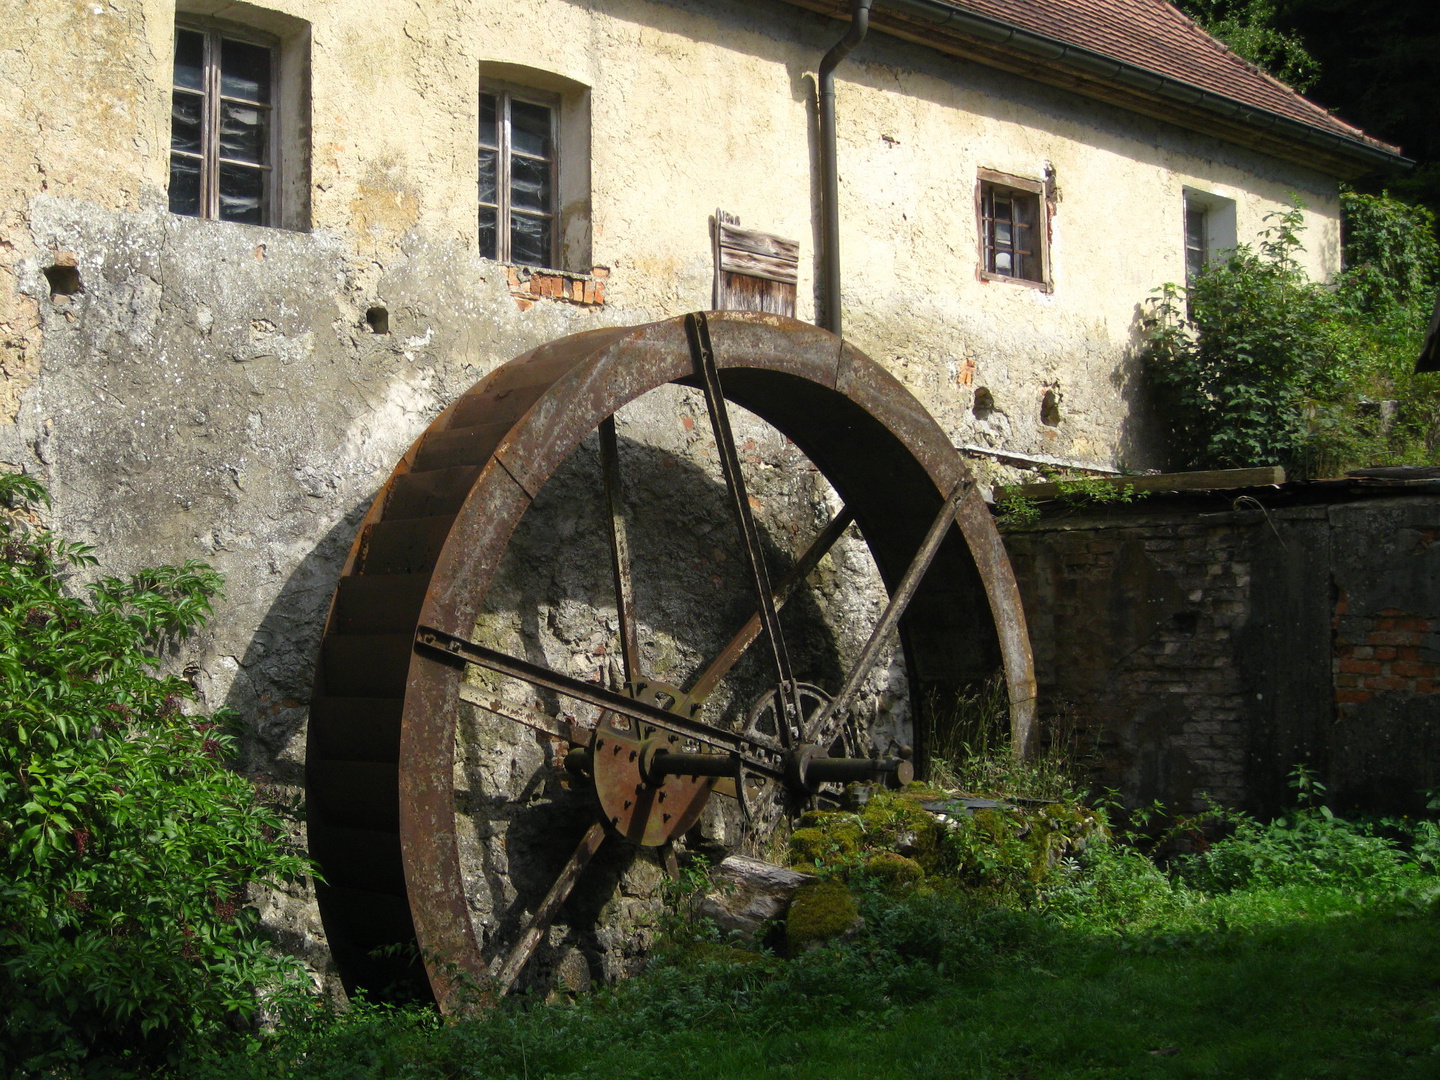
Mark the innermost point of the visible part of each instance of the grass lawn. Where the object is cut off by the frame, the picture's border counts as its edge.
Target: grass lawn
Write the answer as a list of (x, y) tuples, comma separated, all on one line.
[(1348, 997), (1353, 996)]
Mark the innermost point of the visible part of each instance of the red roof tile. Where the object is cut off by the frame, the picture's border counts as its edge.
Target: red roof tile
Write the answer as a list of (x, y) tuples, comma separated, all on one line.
[(1154, 35)]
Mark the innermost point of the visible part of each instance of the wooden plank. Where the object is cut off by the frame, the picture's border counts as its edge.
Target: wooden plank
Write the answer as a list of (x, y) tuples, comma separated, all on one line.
[(776, 268), (1215, 480), (744, 292), (760, 243)]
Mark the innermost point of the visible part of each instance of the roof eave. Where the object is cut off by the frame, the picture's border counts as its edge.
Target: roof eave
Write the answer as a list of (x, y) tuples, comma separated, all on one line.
[(997, 43)]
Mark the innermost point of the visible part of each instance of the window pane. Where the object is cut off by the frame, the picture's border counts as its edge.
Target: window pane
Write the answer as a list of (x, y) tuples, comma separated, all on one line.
[(488, 185), (530, 184), (1003, 264), (1002, 234), (242, 194), (488, 134), (529, 240), (185, 185), (244, 70), (243, 132), (185, 110), (529, 129), (190, 59), (487, 232), (1025, 210)]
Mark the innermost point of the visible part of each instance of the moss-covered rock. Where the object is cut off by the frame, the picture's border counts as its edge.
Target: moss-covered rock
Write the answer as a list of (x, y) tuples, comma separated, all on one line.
[(820, 912), (826, 838), (894, 871)]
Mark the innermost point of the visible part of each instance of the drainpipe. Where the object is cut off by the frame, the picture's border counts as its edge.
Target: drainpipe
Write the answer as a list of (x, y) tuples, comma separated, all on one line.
[(829, 170)]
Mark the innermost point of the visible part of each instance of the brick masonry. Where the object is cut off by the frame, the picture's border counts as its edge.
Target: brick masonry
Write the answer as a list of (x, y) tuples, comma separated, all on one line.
[(1205, 651), (528, 285)]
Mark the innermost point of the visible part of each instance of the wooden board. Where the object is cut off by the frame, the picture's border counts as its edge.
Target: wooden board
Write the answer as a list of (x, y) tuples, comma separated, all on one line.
[(1215, 480)]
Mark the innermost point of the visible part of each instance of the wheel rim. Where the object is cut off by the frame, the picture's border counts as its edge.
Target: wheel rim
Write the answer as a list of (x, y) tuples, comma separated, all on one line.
[(381, 741)]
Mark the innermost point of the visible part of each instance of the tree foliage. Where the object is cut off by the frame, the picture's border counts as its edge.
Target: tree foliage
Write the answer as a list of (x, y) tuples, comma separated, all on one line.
[(126, 845), (1253, 29), (1255, 364)]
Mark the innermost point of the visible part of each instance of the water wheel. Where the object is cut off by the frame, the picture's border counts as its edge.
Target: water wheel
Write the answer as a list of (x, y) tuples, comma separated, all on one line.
[(412, 651)]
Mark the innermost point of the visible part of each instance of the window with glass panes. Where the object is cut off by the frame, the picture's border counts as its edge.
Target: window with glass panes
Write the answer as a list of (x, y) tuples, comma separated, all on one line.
[(517, 179), (1010, 224), (1197, 251), (221, 127)]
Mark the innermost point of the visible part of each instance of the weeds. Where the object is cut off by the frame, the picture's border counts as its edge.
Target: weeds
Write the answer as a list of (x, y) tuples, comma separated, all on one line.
[(971, 748)]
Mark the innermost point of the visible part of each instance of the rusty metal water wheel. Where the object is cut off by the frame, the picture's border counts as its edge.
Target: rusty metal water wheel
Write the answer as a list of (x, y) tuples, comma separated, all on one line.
[(402, 628)]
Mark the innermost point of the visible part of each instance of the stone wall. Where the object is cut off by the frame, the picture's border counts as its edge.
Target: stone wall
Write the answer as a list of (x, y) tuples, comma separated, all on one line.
[(1207, 647)]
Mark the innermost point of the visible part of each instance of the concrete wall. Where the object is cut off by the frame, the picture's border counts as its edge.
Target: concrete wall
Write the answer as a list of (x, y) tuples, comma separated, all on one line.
[(1207, 651)]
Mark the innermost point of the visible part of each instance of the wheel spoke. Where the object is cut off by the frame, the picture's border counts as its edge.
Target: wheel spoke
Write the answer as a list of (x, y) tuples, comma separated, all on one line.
[(757, 757), (703, 354), (899, 601), (554, 727), (730, 655), (520, 955), (620, 550)]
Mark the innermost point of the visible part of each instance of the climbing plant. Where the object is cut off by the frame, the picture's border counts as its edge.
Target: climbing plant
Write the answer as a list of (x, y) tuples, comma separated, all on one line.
[(127, 847)]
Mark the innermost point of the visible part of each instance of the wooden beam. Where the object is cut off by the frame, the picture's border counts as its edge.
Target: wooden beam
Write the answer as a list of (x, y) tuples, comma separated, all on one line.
[(1215, 480)]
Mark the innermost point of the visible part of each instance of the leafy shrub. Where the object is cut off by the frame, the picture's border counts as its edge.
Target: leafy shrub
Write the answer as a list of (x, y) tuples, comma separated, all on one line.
[(127, 845), (1255, 364), (1310, 845)]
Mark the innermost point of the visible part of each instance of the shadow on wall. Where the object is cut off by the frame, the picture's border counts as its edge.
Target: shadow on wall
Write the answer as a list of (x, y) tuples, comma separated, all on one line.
[(271, 690)]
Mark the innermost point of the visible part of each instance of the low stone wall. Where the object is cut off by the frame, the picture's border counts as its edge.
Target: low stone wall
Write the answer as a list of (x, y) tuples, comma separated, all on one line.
[(1206, 646)]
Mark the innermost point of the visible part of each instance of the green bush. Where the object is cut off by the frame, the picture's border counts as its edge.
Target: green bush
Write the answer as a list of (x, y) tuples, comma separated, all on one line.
[(1255, 364), (1309, 845), (127, 845)]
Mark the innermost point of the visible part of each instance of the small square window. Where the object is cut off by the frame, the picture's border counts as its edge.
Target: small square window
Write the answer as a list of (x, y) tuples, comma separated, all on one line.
[(1013, 229), (518, 182), (1209, 230), (222, 127)]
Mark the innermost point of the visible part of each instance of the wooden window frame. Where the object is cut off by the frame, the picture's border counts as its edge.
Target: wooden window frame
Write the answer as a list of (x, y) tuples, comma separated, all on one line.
[(1194, 207), (506, 93), (214, 32), (990, 180)]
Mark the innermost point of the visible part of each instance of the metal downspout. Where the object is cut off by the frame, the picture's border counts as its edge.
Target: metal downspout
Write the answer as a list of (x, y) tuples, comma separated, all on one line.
[(829, 169)]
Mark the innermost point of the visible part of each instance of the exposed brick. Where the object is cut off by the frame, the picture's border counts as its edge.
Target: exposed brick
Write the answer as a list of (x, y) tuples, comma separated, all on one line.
[(1384, 682), (1352, 697), (1362, 652), (1392, 637), (1384, 652), (601, 272), (1416, 624), (523, 304), (1410, 670), (1360, 667), (599, 292)]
